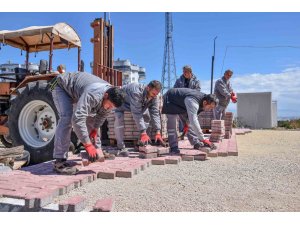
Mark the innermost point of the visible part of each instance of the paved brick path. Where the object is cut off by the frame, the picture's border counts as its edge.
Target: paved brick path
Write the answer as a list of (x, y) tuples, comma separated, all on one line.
[(34, 188)]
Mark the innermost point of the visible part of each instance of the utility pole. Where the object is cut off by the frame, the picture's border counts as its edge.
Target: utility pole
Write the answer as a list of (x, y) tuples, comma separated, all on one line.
[(212, 66), (169, 67)]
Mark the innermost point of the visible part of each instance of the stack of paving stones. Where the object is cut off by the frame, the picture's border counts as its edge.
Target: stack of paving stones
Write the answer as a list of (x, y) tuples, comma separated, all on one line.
[(131, 133), (149, 151), (228, 124), (217, 130), (130, 130), (205, 118)]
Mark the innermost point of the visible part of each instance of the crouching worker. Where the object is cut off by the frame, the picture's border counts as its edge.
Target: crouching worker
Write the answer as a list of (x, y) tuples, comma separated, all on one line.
[(140, 100), (82, 101), (187, 104)]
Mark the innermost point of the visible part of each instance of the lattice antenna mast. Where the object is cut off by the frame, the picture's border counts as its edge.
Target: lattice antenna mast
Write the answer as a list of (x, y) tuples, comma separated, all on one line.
[(169, 68)]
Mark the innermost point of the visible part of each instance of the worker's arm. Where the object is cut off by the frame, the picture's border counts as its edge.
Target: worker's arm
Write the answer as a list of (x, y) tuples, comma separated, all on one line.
[(136, 109), (86, 103), (177, 83), (222, 89), (192, 107), (197, 85)]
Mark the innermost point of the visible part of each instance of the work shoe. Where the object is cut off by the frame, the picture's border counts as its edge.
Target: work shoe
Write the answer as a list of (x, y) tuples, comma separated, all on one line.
[(174, 151), (198, 146), (63, 167), (108, 155), (124, 153)]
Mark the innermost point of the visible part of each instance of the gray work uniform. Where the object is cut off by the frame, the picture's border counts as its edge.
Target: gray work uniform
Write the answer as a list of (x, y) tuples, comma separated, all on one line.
[(137, 103), (222, 91), (78, 99), (186, 103), (193, 83)]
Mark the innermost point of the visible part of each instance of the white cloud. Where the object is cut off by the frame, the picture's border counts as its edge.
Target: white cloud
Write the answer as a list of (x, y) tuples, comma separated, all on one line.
[(285, 88)]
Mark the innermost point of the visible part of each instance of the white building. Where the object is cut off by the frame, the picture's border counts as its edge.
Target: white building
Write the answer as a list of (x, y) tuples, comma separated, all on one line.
[(131, 73), (257, 110), (9, 68)]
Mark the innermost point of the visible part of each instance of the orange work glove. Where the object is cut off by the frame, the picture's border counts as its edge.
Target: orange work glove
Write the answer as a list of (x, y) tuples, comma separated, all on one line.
[(93, 134), (207, 143), (92, 151), (145, 138), (158, 138), (233, 97), (185, 128)]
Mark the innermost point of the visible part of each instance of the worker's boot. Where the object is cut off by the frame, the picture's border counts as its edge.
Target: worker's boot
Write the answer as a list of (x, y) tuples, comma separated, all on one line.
[(124, 153), (174, 151), (61, 166), (108, 155)]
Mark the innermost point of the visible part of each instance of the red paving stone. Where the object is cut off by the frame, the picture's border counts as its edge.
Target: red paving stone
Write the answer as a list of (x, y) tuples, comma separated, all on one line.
[(104, 205), (73, 204)]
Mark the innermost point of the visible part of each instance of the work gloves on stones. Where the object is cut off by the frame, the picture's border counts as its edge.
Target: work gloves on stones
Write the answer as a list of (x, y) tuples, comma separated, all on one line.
[(207, 143), (233, 97), (145, 139), (94, 154), (158, 138)]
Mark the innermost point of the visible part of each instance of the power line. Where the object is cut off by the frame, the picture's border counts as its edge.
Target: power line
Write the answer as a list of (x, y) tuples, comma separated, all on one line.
[(253, 46)]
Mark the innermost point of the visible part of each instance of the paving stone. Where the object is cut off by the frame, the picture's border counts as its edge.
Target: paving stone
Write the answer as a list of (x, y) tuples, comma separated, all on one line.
[(73, 204), (187, 158), (158, 161), (143, 155), (148, 149), (173, 159), (104, 205), (107, 174), (38, 200)]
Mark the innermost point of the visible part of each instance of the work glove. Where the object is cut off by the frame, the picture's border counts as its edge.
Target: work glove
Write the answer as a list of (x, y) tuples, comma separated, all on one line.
[(233, 97), (145, 138), (185, 128), (93, 135), (207, 143), (92, 151), (158, 138)]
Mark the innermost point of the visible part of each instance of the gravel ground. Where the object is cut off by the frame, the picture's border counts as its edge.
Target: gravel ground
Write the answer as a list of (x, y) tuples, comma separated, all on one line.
[(264, 177)]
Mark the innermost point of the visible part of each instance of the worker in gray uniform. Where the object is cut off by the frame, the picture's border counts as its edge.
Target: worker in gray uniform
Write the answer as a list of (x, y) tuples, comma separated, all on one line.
[(224, 93), (187, 80), (186, 103), (141, 100), (82, 101)]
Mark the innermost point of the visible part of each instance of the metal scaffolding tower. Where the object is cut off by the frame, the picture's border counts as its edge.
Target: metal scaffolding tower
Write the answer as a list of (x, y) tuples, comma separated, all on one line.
[(169, 68)]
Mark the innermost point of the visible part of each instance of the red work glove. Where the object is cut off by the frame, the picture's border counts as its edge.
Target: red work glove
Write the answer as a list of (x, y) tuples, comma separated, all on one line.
[(158, 138), (145, 138), (185, 128), (233, 97), (207, 143), (92, 151), (93, 134)]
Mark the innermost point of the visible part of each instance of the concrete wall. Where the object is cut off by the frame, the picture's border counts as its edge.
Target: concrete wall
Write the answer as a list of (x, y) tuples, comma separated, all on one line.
[(255, 110), (274, 114)]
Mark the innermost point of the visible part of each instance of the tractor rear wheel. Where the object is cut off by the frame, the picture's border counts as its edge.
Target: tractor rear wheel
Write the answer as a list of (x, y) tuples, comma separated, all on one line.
[(32, 121)]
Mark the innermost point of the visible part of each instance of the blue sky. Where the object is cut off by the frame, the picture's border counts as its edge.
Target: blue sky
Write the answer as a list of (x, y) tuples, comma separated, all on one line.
[(139, 37)]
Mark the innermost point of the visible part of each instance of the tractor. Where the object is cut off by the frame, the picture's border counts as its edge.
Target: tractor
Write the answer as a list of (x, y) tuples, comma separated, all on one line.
[(28, 114)]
